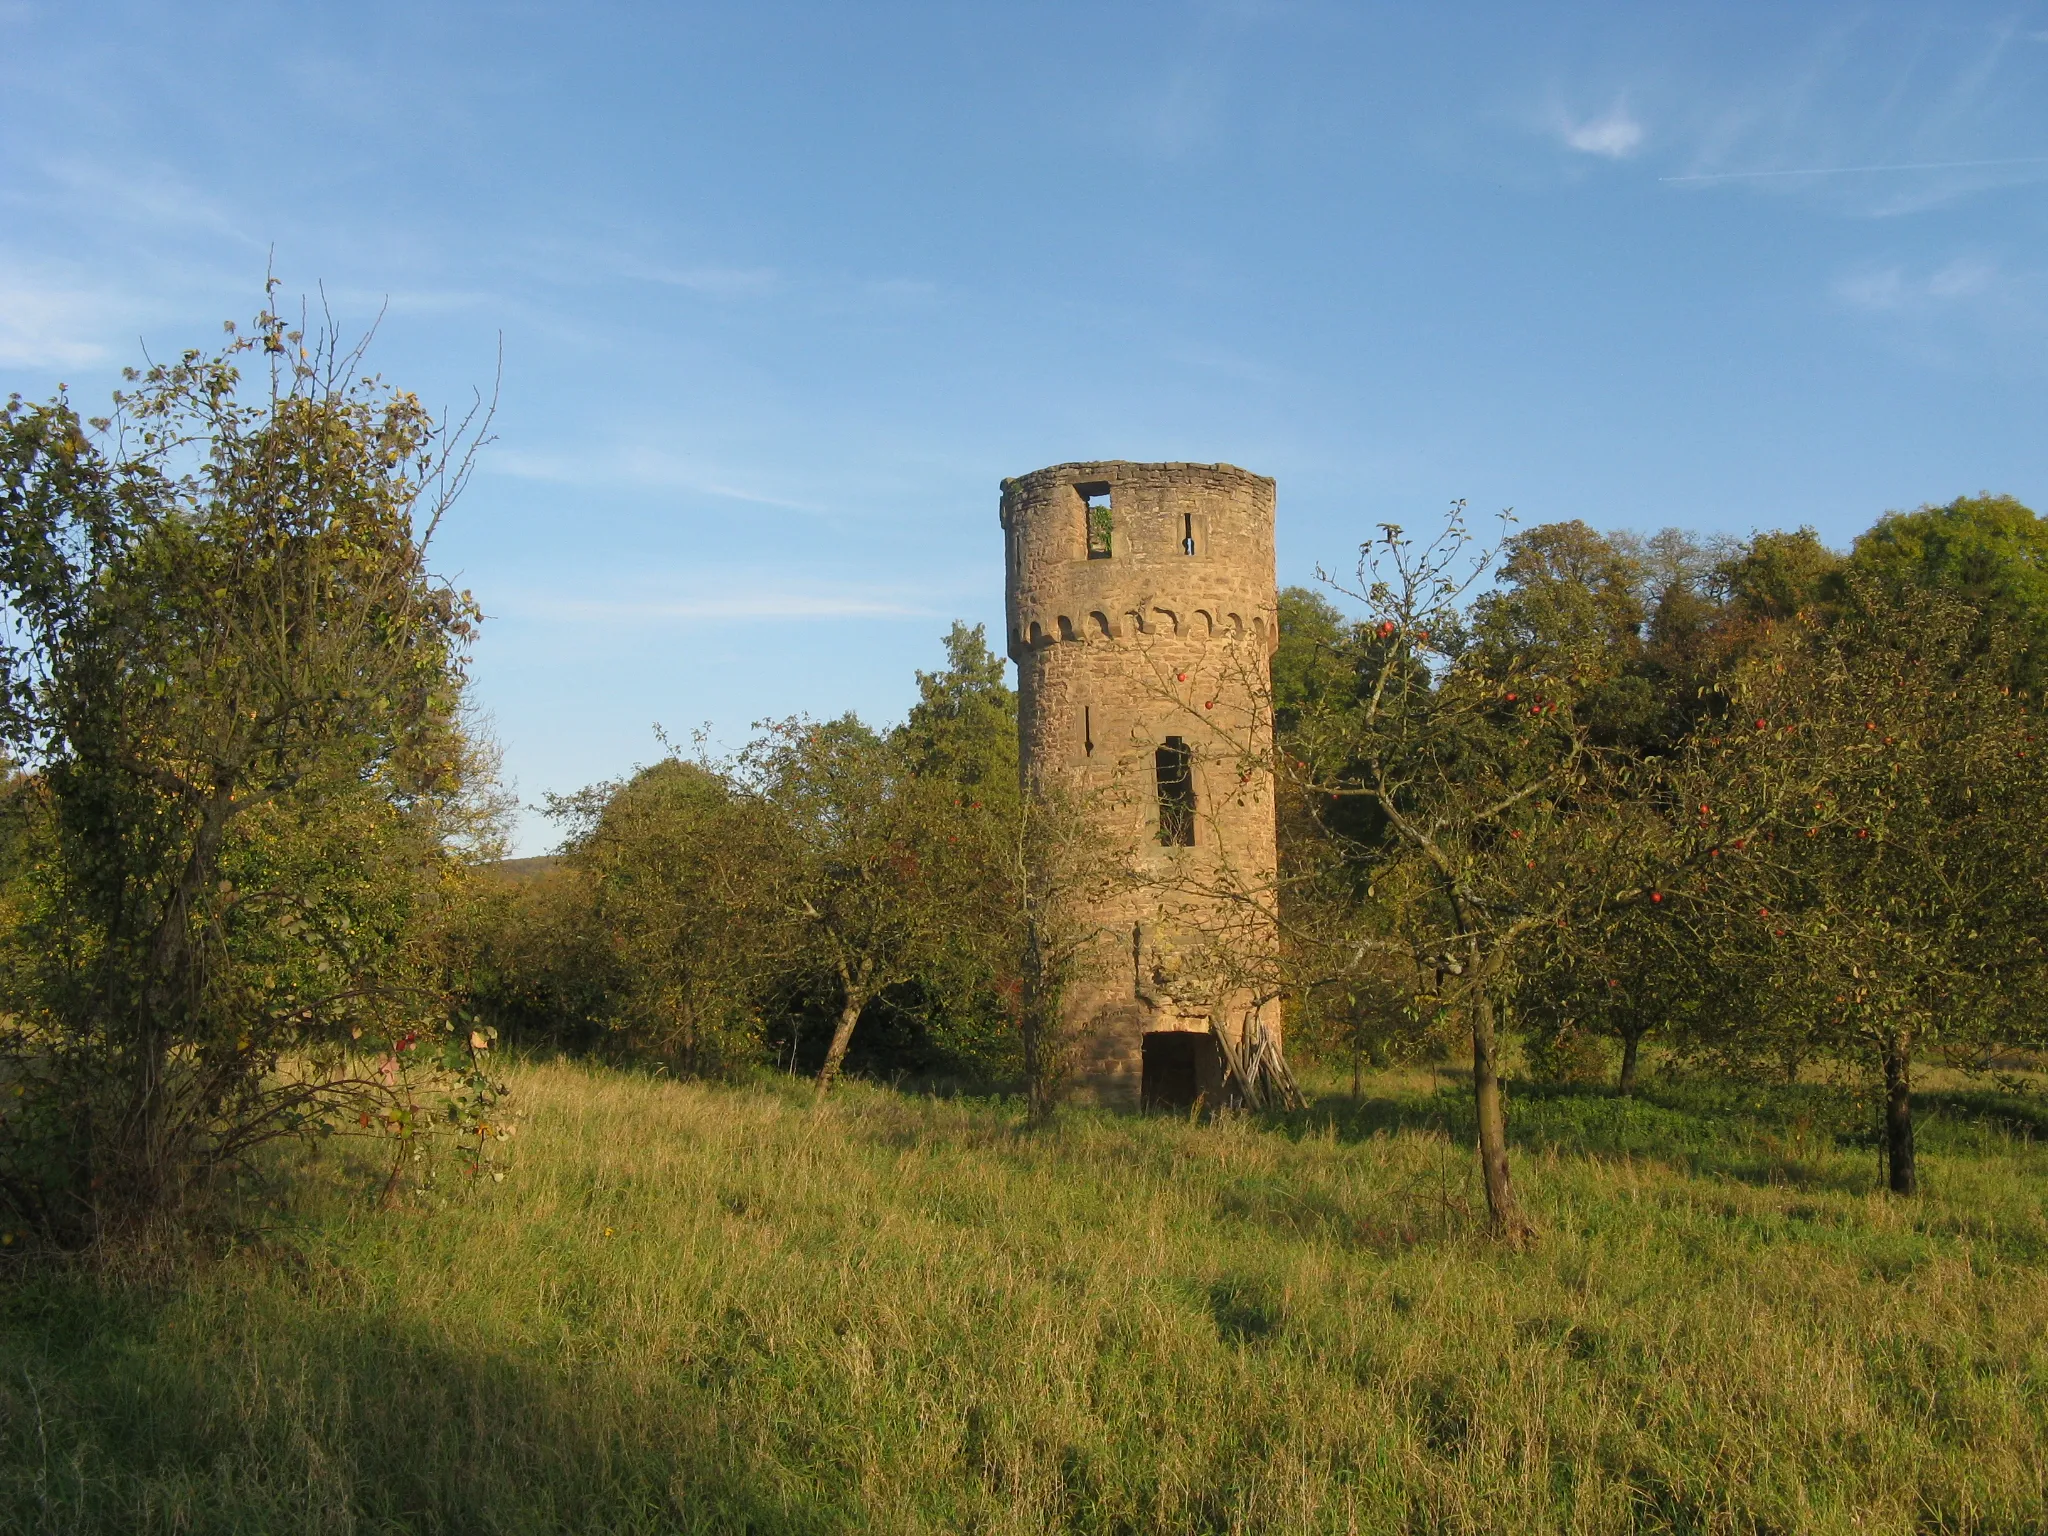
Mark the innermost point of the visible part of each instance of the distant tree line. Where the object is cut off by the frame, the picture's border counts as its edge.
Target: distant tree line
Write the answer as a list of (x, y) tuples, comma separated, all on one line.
[(829, 893)]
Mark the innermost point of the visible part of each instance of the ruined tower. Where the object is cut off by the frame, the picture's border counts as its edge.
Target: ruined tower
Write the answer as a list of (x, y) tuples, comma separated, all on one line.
[(1142, 615)]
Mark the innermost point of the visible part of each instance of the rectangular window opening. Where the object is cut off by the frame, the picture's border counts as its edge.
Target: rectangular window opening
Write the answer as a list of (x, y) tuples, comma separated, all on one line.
[(1174, 765), (1187, 533), (1098, 521)]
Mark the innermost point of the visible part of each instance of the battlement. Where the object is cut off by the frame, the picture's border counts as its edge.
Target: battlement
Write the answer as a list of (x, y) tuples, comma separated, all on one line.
[(1112, 550), (1200, 476)]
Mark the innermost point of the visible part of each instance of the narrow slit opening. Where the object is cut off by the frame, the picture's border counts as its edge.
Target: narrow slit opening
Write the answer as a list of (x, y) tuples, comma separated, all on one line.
[(1187, 533), (1173, 765)]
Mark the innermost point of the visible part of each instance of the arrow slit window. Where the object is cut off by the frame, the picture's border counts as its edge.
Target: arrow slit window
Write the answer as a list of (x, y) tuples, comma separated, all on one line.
[(1174, 767)]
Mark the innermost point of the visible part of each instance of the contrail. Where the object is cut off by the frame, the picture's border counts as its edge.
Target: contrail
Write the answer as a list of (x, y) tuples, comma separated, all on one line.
[(1856, 170)]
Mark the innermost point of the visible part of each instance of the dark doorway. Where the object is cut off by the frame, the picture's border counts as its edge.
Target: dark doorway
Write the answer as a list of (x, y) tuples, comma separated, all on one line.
[(1179, 1065)]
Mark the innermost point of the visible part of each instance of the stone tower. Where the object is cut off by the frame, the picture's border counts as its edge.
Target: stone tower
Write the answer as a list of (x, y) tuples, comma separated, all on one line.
[(1142, 615)]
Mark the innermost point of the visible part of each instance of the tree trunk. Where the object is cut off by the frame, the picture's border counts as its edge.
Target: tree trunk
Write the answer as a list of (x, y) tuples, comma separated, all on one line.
[(1898, 1116), (1505, 1214), (1038, 1086), (148, 1174), (681, 1045), (842, 1037), (1037, 1019), (1627, 1081)]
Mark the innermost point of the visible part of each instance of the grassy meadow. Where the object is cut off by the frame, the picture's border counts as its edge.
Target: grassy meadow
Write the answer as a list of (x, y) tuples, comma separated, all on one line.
[(692, 1308)]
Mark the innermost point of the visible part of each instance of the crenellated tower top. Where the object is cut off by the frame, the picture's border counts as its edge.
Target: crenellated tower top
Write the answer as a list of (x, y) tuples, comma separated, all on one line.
[(1109, 550)]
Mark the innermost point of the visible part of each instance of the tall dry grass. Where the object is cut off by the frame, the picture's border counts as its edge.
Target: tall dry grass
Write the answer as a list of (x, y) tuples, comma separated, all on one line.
[(702, 1309)]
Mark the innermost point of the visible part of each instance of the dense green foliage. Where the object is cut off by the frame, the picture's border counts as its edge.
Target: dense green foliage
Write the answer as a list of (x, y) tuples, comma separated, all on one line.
[(234, 688), (1864, 846), (1775, 807), (1990, 551), (712, 914)]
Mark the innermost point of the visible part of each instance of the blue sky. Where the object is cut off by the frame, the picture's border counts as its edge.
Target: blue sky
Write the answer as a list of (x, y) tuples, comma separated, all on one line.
[(784, 290)]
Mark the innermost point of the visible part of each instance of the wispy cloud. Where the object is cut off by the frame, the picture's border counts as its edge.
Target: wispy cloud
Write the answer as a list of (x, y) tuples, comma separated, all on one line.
[(1175, 114), (49, 323), (901, 290), (1228, 363), (1879, 288), (1615, 135), (1876, 120), (1963, 278), (1861, 170), (1894, 289), (646, 468), (621, 255), (1969, 312), (154, 197), (727, 606), (712, 282), (414, 301)]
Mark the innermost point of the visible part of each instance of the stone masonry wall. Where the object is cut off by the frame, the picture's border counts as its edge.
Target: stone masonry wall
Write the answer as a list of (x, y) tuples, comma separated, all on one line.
[(1115, 655)]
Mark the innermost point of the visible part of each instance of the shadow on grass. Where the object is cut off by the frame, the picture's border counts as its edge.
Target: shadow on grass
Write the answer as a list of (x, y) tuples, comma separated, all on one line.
[(124, 1411), (1750, 1133), (2022, 1117), (1794, 1133)]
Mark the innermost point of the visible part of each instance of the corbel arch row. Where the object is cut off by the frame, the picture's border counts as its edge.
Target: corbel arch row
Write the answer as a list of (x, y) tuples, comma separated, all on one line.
[(1098, 624)]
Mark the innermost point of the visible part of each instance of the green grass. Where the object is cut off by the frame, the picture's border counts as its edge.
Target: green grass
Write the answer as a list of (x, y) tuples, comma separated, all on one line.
[(706, 1309)]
